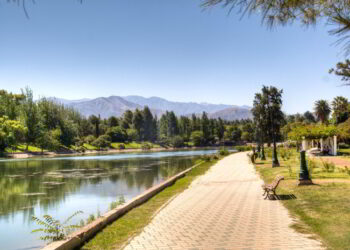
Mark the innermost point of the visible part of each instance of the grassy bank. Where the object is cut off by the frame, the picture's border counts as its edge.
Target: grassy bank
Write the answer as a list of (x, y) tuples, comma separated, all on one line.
[(323, 208), (118, 233)]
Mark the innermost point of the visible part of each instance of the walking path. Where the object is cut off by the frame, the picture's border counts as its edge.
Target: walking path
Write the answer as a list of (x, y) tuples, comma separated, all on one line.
[(223, 209)]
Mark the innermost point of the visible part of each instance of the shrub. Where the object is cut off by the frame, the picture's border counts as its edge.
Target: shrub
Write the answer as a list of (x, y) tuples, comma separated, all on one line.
[(89, 139), (206, 158), (243, 148), (177, 142), (146, 146), (132, 134), (223, 152), (54, 229), (117, 134), (102, 142), (328, 167), (343, 145), (121, 146)]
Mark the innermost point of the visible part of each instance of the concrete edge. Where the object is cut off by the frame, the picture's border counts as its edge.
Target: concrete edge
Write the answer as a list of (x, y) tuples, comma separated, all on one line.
[(87, 232)]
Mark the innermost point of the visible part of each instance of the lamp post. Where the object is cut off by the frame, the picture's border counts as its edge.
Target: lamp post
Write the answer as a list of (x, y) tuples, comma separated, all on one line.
[(304, 177)]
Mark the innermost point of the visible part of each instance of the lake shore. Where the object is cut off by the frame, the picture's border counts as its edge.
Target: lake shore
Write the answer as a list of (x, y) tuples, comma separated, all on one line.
[(46, 154)]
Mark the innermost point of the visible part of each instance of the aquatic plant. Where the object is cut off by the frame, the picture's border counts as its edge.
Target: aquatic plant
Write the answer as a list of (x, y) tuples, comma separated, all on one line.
[(53, 229)]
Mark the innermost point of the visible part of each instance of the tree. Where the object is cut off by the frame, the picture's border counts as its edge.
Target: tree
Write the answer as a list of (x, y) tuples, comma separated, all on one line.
[(127, 119), (309, 117), (102, 142), (322, 110), (148, 125), (30, 116), (11, 132), (95, 121), (260, 120), (113, 121), (197, 138), (205, 127), (275, 117), (340, 109), (307, 12), (137, 123), (220, 129), (117, 134), (342, 69)]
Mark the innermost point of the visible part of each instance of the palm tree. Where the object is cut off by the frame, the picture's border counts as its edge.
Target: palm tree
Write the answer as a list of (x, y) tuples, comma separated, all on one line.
[(340, 107), (322, 110)]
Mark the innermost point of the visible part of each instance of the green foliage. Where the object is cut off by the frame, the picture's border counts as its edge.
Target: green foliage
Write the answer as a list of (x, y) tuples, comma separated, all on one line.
[(177, 141), (223, 152), (146, 146), (117, 134), (243, 148), (132, 134), (328, 167), (197, 138), (115, 204), (53, 229), (11, 132), (102, 142)]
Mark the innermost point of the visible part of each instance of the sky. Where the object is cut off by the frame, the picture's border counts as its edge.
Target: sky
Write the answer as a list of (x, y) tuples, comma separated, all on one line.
[(166, 48)]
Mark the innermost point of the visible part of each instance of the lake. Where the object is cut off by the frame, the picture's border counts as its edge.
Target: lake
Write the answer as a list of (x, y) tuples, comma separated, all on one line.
[(61, 186)]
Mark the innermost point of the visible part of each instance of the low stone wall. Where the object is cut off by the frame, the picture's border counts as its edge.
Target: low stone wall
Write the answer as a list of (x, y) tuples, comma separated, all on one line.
[(79, 237)]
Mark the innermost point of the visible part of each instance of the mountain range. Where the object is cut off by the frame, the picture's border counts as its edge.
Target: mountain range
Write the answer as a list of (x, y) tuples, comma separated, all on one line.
[(117, 105)]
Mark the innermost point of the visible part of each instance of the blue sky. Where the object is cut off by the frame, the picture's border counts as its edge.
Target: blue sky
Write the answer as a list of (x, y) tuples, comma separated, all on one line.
[(166, 48)]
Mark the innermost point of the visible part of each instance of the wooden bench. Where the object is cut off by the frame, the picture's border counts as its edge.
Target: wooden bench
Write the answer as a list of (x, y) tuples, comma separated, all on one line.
[(272, 187)]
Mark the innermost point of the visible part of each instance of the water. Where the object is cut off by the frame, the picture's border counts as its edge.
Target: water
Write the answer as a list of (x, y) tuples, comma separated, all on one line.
[(61, 186)]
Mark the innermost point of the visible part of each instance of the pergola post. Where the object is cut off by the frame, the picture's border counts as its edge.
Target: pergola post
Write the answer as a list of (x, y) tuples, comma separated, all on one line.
[(321, 141), (303, 144), (335, 145)]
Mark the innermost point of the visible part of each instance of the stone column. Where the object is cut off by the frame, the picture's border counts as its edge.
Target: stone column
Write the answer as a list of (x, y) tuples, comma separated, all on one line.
[(321, 141), (303, 145), (335, 145)]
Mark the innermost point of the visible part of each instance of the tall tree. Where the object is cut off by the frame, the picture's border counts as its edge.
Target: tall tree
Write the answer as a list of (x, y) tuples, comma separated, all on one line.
[(95, 121), (148, 124), (30, 116), (260, 120), (205, 127), (137, 123), (220, 129), (309, 117), (343, 70), (322, 110), (340, 107)]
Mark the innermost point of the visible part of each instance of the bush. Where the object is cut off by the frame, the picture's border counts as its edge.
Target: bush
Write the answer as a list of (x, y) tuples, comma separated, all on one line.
[(102, 142), (206, 158), (328, 167), (177, 142), (132, 134), (89, 139), (223, 152), (243, 148), (117, 134), (343, 145), (121, 146), (146, 146)]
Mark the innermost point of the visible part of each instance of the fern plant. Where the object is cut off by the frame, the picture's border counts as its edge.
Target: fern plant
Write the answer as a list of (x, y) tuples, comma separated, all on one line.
[(53, 229)]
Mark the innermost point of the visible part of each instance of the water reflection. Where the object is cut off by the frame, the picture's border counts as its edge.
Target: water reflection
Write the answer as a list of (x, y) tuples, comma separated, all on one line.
[(62, 186)]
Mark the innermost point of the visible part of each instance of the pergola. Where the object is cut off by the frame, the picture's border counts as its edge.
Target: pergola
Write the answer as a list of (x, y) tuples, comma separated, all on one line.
[(329, 143)]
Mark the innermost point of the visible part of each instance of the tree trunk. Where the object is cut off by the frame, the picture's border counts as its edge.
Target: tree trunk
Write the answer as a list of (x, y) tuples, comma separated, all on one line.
[(275, 162)]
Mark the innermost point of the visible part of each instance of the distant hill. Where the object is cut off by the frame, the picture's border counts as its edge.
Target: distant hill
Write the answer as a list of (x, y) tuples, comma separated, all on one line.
[(116, 106)]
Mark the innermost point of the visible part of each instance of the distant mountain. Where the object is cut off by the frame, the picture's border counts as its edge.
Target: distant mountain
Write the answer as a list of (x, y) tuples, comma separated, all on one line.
[(116, 106), (179, 108), (234, 113)]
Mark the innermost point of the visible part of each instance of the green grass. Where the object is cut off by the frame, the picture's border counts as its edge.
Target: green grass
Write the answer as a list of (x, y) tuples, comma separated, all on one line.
[(117, 234), (34, 149), (132, 145), (89, 147), (322, 209), (345, 152)]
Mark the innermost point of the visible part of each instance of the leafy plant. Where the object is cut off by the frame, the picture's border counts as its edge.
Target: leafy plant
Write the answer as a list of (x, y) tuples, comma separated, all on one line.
[(328, 167), (115, 204), (90, 219), (54, 229), (223, 152)]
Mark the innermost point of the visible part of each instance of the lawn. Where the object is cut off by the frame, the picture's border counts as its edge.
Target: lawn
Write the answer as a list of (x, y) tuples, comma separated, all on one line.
[(118, 233), (323, 208), (22, 148)]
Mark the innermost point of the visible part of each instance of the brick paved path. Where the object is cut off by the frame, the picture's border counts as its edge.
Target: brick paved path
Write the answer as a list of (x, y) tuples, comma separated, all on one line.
[(223, 209)]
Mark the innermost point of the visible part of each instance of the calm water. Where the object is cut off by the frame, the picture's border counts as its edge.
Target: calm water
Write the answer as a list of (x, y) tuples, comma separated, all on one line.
[(61, 186)]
